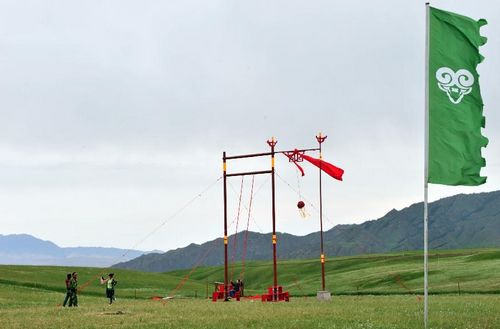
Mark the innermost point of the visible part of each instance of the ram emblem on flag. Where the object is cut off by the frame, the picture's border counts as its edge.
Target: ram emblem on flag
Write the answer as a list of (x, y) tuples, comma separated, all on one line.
[(455, 84)]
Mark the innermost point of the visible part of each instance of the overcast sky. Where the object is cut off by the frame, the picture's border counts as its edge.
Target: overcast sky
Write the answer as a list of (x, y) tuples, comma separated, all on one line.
[(114, 114)]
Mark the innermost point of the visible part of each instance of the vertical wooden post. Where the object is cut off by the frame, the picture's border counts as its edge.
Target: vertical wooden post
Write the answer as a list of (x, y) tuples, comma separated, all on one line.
[(272, 143), (224, 168), (320, 140)]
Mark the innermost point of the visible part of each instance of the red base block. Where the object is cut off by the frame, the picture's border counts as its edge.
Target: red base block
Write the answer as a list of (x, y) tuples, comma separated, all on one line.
[(276, 294), (219, 294)]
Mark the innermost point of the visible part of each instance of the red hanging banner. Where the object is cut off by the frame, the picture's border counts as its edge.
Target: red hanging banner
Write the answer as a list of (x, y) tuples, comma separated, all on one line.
[(327, 167)]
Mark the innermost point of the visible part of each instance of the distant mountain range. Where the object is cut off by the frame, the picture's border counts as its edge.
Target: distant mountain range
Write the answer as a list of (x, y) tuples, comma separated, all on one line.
[(457, 222), (24, 249)]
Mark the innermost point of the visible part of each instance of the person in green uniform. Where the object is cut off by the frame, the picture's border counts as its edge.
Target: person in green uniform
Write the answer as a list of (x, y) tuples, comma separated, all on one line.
[(110, 286), (73, 286), (67, 298)]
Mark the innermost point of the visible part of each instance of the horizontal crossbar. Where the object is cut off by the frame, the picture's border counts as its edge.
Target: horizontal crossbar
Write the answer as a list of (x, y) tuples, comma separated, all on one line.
[(250, 173), (264, 154)]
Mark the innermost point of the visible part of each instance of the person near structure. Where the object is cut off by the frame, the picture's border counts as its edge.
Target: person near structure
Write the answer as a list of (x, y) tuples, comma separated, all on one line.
[(110, 286), (67, 298), (231, 289), (236, 288), (73, 287), (242, 288)]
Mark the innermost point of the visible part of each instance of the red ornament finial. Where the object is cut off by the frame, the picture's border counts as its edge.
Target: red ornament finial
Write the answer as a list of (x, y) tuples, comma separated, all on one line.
[(272, 142), (320, 138)]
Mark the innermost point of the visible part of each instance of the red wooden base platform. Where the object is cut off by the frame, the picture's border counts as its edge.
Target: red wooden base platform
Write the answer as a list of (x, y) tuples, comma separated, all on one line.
[(276, 294)]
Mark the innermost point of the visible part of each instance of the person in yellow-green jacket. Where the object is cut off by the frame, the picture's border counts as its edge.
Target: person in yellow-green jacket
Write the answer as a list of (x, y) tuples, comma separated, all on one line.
[(110, 287)]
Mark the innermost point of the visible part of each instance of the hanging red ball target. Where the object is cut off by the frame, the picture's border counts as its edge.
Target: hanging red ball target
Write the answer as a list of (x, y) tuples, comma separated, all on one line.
[(300, 204)]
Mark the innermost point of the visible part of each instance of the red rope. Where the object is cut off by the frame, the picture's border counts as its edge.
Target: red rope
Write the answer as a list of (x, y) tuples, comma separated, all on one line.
[(236, 230), (197, 264), (242, 274)]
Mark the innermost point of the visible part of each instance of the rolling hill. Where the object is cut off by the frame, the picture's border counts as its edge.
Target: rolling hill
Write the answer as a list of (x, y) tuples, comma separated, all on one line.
[(471, 271), (457, 222)]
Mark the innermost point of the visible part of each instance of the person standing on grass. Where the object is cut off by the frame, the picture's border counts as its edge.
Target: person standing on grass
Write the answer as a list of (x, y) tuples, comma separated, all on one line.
[(110, 286), (67, 298), (236, 287), (242, 288), (73, 287)]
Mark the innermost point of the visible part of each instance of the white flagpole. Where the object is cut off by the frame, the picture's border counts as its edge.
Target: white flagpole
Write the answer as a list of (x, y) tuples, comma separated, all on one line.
[(426, 168)]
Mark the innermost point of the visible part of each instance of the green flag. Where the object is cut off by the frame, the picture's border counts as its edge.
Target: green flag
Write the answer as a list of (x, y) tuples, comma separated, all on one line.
[(455, 103)]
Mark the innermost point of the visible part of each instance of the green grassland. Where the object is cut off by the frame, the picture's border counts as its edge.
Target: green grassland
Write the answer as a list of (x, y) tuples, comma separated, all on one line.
[(373, 291), (470, 271)]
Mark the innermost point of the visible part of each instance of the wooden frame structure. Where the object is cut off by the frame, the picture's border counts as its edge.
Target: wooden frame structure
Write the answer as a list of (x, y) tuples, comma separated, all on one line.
[(275, 292)]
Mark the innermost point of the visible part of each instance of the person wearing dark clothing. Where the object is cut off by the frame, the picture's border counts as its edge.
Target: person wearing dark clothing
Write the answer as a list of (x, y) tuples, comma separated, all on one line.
[(231, 289), (73, 287), (235, 288), (110, 287), (68, 290)]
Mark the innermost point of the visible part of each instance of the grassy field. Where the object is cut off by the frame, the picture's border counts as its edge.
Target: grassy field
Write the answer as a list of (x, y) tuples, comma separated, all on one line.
[(373, 291), (34, 308)]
